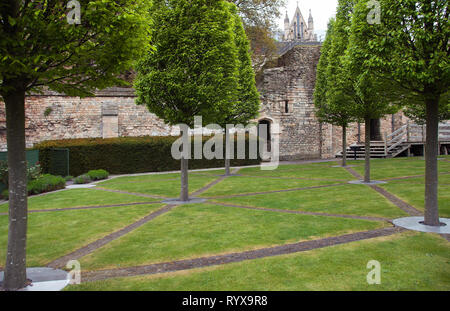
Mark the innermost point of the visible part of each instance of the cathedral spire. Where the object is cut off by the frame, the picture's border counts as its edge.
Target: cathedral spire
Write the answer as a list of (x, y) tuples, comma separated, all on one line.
[(310, 21)]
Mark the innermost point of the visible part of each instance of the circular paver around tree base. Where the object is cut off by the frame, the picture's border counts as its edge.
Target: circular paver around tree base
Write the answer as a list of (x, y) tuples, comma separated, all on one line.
[(177, 201), (44, 279), (362, 182), (80, 186), (414, 223), (345, 166)]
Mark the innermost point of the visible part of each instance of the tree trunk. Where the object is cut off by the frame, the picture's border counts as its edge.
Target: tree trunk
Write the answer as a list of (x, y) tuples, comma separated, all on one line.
[(184, 195), (344, 146), (227, 152), (431, 169), (367, 150), (15, 267)]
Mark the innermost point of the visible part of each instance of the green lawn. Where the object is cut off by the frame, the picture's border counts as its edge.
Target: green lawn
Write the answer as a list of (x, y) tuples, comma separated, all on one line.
[(54, 234), (413, 192), (312, 171), (409, 261), (347, 199), (141, 178), (156, 184), (245, 184), (204, 229), (78, 198), (398, 167)]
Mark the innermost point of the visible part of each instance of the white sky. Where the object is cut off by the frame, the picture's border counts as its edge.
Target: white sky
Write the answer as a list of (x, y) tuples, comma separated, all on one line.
[(321, 11)]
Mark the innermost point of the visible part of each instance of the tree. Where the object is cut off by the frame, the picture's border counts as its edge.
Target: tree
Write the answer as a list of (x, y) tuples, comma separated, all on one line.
[(40, 48), (417, 112), (410, 47), (246, 105), (351, 83), (374, 96), (194, 68), (333, 104), (260, 18)]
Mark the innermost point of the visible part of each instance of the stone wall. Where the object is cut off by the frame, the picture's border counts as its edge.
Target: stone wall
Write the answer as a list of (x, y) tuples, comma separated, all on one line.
[(109, 114), (287, 100)]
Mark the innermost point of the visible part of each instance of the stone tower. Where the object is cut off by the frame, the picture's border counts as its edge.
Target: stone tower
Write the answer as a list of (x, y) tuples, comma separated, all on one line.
[(286, 25), (310, 22), (297, 29)]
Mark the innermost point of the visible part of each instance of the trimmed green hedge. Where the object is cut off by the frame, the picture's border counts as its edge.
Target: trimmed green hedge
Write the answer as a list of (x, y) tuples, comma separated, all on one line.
[(83, 179), (127, 155), (97, 174), (45, 183)]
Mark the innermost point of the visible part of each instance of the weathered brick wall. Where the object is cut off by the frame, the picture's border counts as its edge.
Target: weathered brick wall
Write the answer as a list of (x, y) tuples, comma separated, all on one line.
[(292, 82), (61, 117)]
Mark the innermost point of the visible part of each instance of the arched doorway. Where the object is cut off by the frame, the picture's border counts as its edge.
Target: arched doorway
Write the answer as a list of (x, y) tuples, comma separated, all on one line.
[(264, 133)]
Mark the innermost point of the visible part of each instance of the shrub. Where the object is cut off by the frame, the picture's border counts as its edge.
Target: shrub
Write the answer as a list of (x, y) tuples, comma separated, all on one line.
[(4, 172), (33, 172), (45, 183), (68, 178), (98, 174), (83, 179), (5, 194), (128, 155)]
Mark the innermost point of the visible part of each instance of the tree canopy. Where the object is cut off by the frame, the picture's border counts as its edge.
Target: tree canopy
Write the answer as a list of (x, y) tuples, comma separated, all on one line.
[(260, 19), (194, 67), (246, 105), (409, 47), (334, 100), (41, 47)]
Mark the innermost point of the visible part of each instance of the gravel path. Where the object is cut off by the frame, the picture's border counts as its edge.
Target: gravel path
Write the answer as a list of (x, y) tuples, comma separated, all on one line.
[(83, 251), (236, 257)]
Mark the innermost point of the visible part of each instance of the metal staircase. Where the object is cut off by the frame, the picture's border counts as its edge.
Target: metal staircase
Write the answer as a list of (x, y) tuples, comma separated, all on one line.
[(399, 141)]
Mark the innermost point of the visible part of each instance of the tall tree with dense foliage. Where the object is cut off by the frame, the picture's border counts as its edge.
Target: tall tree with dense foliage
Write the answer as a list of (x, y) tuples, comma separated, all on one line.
[(416, 110), (334, 103), (260, 19), (194, 68), (246, 105), (41, 47), (374, 96), (410, 46)]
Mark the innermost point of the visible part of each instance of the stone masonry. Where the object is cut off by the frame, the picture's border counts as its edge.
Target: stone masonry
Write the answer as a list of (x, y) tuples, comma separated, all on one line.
[(286, 100), (112, 113)]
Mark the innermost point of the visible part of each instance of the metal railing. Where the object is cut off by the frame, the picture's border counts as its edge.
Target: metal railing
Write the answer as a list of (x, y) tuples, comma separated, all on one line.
[(411, 132)]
